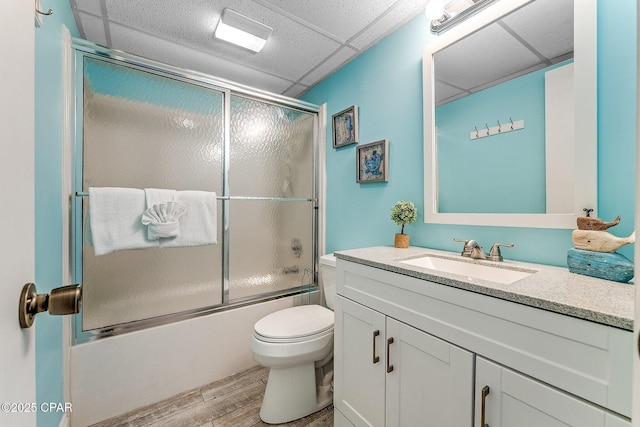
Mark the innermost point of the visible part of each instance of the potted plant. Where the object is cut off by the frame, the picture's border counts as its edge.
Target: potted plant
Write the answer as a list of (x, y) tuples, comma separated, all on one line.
[(403, 213)]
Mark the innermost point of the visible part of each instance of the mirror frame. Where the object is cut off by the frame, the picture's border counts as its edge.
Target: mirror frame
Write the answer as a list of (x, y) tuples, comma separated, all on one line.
[(585, 122)]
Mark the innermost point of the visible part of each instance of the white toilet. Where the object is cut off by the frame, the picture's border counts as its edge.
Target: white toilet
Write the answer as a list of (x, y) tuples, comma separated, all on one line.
[(297, 345)]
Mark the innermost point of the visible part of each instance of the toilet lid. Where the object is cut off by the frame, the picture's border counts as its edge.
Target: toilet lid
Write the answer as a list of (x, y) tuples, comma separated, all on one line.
[(295, 323)]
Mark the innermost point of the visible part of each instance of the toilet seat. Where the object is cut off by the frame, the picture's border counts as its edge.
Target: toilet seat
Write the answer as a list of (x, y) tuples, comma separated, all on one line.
[(295, 324)]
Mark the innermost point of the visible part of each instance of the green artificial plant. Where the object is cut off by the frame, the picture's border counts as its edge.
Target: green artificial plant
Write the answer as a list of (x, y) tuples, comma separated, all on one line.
[(403, 213)]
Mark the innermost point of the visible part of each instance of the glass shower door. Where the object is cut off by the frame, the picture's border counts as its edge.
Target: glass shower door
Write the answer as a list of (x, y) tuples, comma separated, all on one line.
[(147, 130), (271, 188)]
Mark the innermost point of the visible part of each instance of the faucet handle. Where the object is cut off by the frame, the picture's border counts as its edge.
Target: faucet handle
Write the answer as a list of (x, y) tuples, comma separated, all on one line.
[(494, 253), (466, 250)]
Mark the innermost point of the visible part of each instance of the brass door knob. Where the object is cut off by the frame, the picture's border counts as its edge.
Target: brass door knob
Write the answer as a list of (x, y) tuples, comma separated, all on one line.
[(63, 300)]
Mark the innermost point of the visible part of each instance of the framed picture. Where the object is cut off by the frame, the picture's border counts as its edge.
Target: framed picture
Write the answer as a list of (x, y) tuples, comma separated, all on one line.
[(345, 127), (372, 162)]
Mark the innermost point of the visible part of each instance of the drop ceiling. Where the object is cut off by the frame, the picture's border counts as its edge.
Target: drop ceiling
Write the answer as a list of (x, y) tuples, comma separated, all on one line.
[(310, 40), (534, 37)]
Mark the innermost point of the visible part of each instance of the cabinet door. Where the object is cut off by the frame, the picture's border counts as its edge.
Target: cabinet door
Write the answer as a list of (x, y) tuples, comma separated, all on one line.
[(431, 383), (359, 383), (514, 400)]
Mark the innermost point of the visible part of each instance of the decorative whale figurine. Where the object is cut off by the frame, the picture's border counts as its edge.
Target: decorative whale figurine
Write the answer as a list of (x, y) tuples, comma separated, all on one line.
[(600, 241), (590, 223)]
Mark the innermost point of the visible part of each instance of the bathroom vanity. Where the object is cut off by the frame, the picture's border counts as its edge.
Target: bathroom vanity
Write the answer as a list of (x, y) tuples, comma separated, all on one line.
[(416, 344)]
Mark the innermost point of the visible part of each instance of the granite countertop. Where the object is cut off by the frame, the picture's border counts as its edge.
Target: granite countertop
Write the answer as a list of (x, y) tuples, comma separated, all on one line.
[(549, 288)]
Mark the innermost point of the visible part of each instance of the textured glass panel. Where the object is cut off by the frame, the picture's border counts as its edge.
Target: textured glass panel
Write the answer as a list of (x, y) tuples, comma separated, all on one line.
[(143, 130), (271, 150), (271, 245)]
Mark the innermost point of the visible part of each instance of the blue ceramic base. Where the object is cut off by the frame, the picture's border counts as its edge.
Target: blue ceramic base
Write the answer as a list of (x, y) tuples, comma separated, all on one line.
[(603, 265)]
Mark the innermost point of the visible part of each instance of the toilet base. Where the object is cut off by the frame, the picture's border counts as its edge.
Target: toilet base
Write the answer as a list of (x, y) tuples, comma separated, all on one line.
[(293, 393)]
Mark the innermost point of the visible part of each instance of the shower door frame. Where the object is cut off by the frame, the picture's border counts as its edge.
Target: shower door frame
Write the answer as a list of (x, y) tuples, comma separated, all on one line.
[(81, 49)]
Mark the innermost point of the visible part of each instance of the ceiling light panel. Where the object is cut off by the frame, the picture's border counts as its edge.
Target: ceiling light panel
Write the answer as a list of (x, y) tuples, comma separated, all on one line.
[(242, 31)]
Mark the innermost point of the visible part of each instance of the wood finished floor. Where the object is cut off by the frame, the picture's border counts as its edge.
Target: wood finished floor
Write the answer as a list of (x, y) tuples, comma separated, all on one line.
[(230, 402)]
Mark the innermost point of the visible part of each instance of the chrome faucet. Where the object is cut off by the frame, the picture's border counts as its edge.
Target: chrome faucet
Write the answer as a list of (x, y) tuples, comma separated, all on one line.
[(473, 250), (476, 250)]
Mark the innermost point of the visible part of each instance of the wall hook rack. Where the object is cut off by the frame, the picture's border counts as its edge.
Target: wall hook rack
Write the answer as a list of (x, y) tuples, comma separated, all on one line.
[(496, 130)]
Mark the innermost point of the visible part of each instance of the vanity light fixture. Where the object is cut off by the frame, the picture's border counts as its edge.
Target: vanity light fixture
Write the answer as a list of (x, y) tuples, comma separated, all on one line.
[(434, 9), (242, 31), (444, 14)]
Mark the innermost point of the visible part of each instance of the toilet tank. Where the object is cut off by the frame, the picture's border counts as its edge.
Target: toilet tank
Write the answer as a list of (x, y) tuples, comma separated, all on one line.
[(328, 278)]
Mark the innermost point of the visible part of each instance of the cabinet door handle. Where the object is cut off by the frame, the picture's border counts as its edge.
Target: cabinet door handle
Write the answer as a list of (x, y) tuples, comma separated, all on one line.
[(389, 366), (376, 359), (485, 392)]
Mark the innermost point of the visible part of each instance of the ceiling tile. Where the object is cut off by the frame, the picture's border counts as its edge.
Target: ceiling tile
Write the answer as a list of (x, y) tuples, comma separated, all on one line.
[(342, 18), (402, 13), (93, 28), (337, 60), (92, 7), (295, 91), (547, 25), (446, 93), (482, 55)]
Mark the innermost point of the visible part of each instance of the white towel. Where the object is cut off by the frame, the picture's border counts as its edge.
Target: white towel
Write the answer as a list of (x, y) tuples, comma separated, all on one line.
[(198, 226), (115, 219), (159, 195), (161, 220), (162, 214)]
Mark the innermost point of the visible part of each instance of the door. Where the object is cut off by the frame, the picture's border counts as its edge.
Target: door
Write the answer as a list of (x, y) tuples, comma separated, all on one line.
[(17, 357), (635, 416), (431, 383), (360, 363), (513, 400)]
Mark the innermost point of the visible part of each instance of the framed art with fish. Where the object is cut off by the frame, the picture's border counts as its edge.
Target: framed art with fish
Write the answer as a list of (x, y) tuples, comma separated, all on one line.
[(345, 127), (372, 162)]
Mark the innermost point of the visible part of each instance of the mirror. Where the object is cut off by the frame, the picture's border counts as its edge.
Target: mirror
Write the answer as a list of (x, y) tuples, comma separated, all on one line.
[(498, 152)]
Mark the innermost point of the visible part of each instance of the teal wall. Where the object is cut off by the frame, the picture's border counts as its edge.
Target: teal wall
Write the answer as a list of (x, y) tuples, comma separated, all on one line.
[(48, 189), (386, 84), (490, 184)]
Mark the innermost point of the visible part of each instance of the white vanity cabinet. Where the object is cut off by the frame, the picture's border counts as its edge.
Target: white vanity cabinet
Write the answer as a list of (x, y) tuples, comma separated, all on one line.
[(389, 373), (542, 368), (512, 399)]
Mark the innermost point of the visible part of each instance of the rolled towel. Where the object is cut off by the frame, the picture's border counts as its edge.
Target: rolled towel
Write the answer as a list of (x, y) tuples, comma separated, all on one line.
[(161, 217), (161, 220)]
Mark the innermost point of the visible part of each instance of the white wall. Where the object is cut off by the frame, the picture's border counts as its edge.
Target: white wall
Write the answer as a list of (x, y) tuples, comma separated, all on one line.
[(17, 357), (114, 375)]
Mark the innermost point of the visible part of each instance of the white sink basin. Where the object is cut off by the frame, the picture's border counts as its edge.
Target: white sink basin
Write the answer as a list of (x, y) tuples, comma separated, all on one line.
[(471, 270)]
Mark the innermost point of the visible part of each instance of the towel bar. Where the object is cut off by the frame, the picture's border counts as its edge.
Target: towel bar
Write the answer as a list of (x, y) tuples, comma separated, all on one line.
[(279, 199)]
